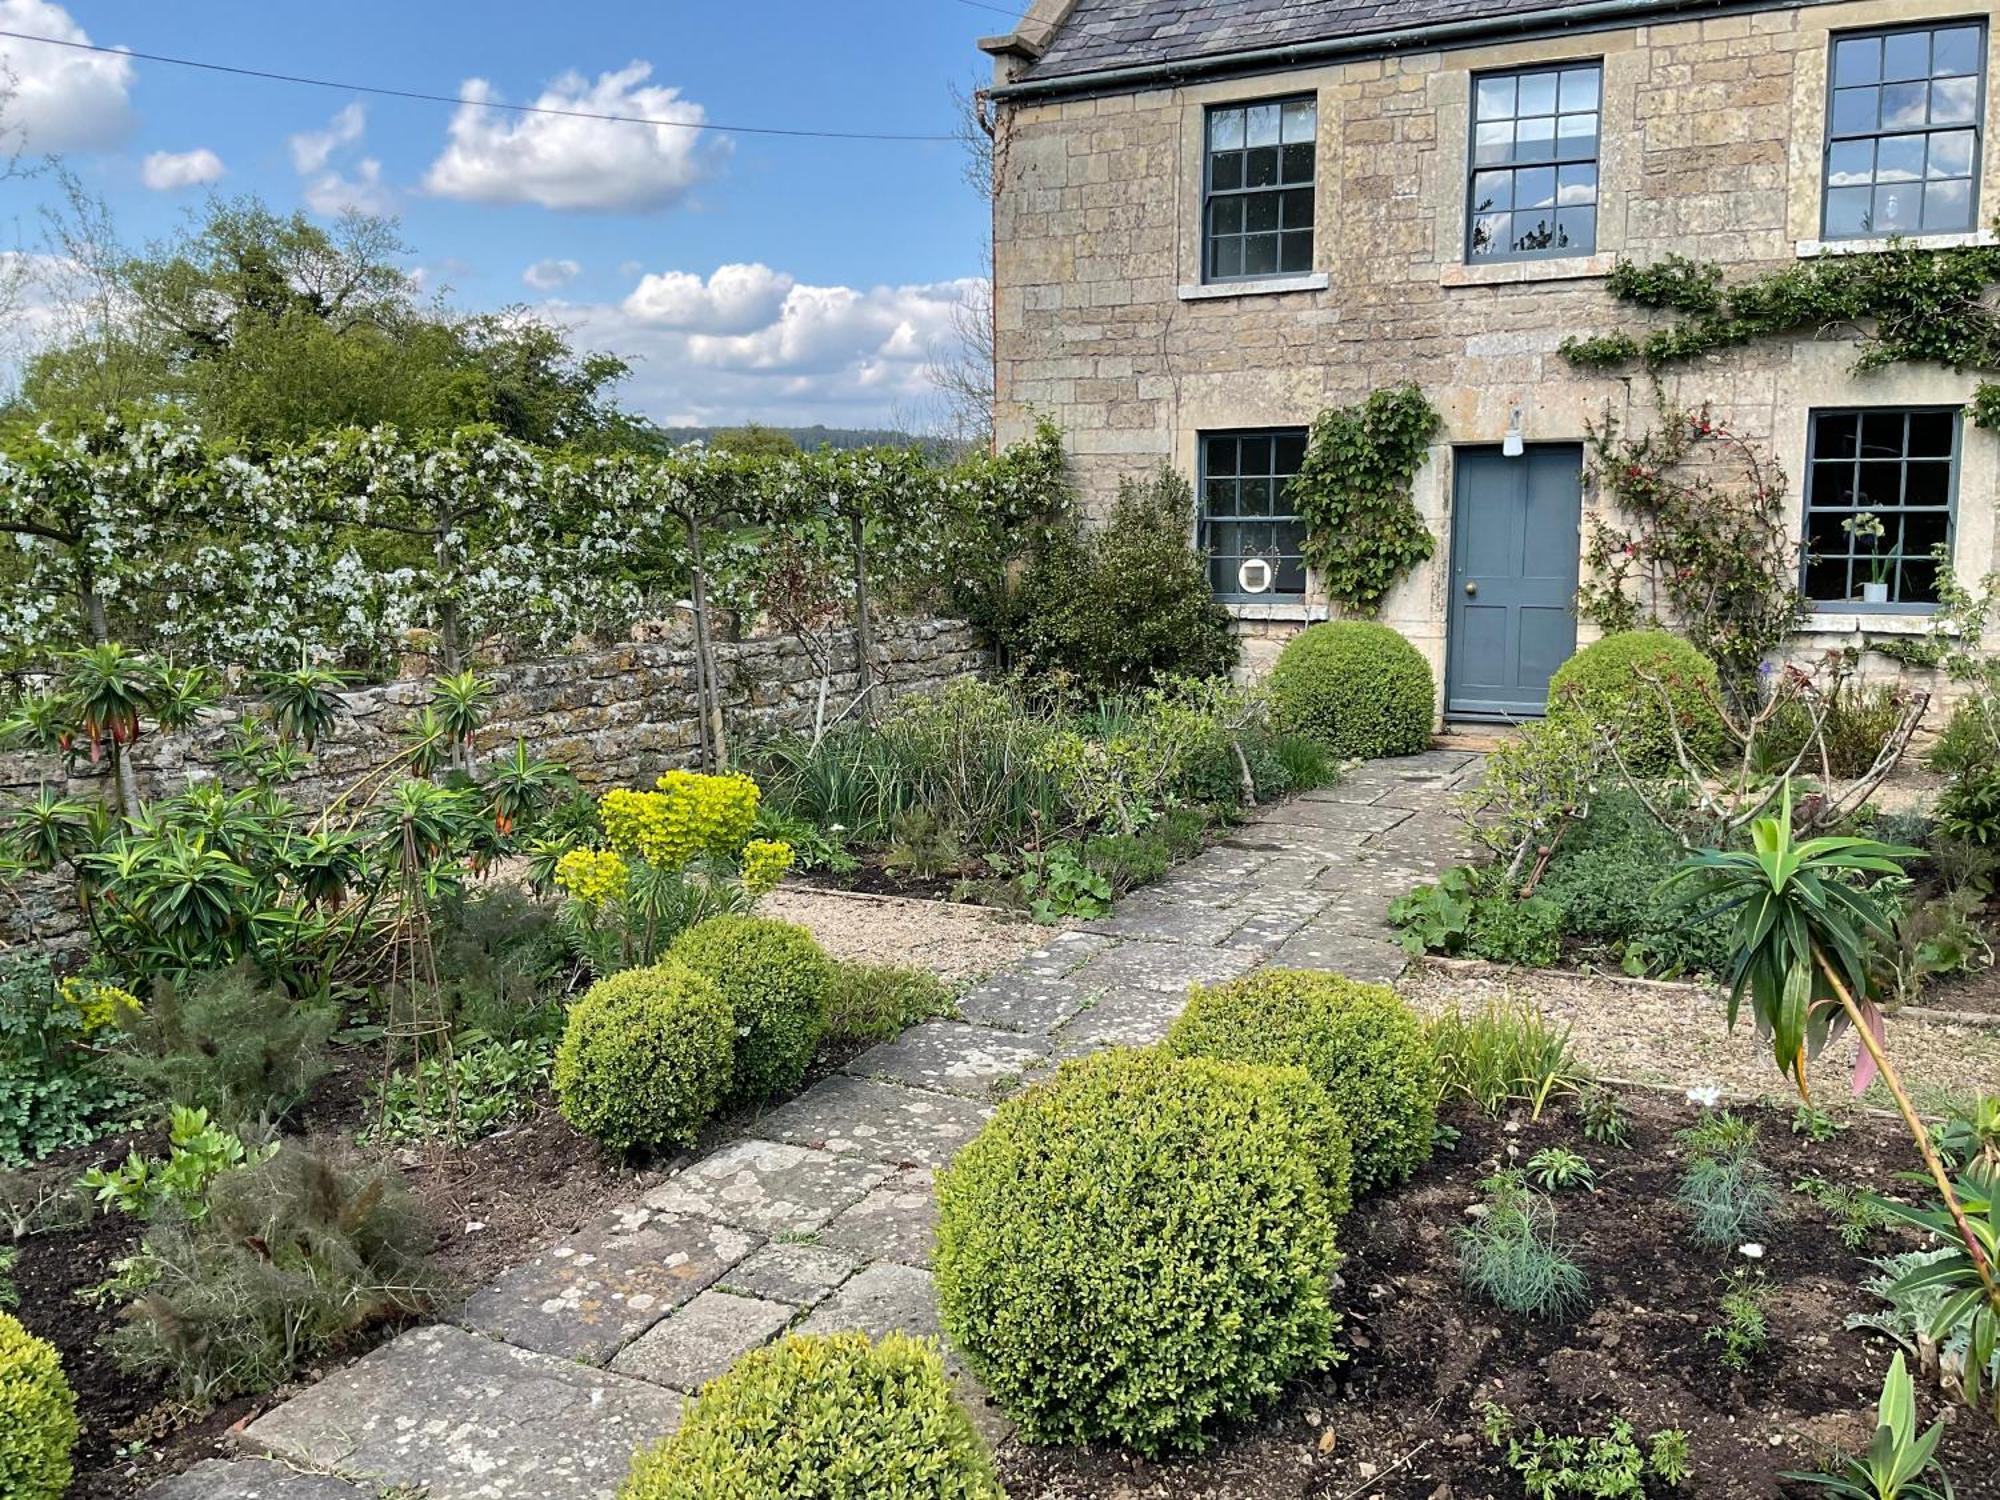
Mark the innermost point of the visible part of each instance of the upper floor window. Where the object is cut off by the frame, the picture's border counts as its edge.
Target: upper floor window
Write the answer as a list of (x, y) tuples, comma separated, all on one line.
[(1250, 528), (1257, 189), (1534, 163), (1902, 140), (1879, 486)]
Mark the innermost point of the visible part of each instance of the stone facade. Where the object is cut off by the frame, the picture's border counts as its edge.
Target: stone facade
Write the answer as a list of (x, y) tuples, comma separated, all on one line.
[(617, 716), (1712, 137)]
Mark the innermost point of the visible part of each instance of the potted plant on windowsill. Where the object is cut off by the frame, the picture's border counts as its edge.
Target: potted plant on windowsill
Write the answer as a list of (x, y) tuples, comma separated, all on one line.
[(1867, 525)]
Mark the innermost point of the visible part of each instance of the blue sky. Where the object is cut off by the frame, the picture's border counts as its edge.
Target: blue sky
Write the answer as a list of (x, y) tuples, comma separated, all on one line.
[(750, 276)]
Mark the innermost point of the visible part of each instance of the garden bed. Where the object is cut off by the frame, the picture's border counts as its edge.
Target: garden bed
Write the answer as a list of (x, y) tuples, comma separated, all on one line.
[(1401, 1418)]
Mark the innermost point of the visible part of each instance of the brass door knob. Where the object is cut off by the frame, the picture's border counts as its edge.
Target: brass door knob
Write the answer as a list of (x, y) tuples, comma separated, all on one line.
[(1471, 588)]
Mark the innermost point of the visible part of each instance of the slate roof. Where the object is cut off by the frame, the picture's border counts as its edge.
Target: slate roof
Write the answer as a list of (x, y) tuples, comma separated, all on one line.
[(1103, 34)]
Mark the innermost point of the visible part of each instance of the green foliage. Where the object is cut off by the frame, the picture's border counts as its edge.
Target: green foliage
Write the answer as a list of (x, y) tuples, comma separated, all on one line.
[(1605, 880), (877, 1002), (1915, 1294), (1355, 688), (1905, 304), (1856, 722), (1899, 1462), (1304, 763), (1968, 1316), (1142, 1247), (774, 979), (1601, 1116), (197, 1153), (1510, 1256), (822, 1418), (1059, 883), (228, 1042), (464, 1098), (1701, 542), (1359, 1042), (38, 1422), (1638, 687), (1729, 1195), (294, 1254), (1555, 1170), (1127, 605), (1537, 781), (648, 1055), (1505, 1054), (1604, 1466), (53, 1093), (1968, 809), (1363, 533), (1802, 926), (1815, 1124), (500, 959), (1742, 1329), (1858, 1215)]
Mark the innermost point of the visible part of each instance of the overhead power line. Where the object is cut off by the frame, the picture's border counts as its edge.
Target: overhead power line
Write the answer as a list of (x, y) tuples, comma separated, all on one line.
[(519, 109), (1016, 11)]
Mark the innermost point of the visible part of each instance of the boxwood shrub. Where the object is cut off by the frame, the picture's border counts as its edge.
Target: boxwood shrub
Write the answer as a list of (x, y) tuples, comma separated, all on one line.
[(1355, 687), (38, 1426), (1601, 685), (822, 1418), (776, 980), (1141, 1246), (646, 1057), (1359, 1042)]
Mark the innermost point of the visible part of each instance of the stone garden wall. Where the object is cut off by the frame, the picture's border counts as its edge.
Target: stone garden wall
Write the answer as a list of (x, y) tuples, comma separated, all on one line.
[(616, 716)]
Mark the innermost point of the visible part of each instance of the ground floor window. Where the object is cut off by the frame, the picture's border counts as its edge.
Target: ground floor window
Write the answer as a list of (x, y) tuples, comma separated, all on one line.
[(1880, 484), (1249, 528)]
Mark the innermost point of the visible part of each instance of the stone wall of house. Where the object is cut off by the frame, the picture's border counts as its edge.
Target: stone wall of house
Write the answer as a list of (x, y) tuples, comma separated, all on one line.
[(1712, 134), (616, 716)]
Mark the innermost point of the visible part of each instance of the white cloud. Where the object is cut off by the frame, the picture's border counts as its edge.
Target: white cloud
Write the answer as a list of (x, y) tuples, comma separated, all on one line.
[(547, 275), (567, 163), (333, 193), (736, 299), (163, 171), (749, 342), (312, 149), (63, 99)]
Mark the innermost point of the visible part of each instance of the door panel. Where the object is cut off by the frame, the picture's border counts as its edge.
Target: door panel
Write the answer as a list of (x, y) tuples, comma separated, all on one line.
[(1513, 578)]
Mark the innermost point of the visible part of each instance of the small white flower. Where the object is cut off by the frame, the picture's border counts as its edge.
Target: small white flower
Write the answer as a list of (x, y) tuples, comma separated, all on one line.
[(1751, 1251), (1707, 1096)]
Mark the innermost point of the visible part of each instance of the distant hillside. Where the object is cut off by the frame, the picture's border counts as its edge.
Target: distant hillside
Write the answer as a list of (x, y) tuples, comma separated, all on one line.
[(810, 438)]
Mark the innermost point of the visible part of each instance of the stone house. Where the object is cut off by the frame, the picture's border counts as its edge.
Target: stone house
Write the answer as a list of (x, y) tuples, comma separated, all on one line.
[(1215, 218)]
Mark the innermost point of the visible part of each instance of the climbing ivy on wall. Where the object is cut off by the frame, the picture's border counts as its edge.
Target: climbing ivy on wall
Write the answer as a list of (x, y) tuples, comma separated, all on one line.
[(1904, 304), (1363, 532)]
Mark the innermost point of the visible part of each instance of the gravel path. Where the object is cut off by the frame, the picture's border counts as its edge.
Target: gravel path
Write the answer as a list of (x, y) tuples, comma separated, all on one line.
[(954, 942)]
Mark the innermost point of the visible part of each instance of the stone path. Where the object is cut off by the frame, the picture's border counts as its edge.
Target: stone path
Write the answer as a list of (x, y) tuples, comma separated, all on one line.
[(821, 1219)]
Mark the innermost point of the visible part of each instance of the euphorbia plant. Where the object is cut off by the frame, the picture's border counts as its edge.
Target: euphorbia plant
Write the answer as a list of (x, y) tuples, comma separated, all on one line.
[(1804, 921)]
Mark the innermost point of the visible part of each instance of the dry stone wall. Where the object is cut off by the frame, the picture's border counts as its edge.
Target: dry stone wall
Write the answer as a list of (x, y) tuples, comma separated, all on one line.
[(616, 716)]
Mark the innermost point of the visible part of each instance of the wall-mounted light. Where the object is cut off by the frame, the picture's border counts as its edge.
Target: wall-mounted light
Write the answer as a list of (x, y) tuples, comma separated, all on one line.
[(1511, 444)]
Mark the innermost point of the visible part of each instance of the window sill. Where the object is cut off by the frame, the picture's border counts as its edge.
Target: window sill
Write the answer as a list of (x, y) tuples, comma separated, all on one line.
[(1269, 286), (1513, 272), (1293, 610), (1878, 619), (1811, 249)]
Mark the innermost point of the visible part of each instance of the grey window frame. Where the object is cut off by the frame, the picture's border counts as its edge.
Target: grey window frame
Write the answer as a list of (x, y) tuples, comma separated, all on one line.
[(1203, 520), (1473, 166), (1209, 191), (1806, 506), (1977, 126)]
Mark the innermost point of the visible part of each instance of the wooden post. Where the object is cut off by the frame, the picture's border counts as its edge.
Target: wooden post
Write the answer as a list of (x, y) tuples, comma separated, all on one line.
[(864, 630)]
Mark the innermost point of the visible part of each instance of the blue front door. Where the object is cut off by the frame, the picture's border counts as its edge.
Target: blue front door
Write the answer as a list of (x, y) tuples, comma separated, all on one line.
[(1513, 578)]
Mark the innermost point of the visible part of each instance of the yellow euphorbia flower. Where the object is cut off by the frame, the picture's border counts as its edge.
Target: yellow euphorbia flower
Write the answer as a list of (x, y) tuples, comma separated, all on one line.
[(765, 862), (593, 876)]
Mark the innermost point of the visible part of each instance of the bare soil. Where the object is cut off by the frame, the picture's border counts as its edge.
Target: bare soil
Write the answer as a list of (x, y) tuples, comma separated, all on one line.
[(1399, 1418)]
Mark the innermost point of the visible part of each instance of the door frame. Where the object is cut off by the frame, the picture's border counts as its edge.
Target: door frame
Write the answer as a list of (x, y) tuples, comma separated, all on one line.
[(1455, 490)]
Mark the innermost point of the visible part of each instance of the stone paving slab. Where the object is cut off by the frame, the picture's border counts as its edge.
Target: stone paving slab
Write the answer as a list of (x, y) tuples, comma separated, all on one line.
[(1167, 967), (797, 1272), (1033, 1003), (896, 1221), (1130, 1018), (773, 1187), (465, 1418), (951, 1057), (586, 1297), (255, 1479), (1361, 820), (1368, 956), (1061, 954), (703, 1339), (881, 1121), (1176, 924), (1266, 933)]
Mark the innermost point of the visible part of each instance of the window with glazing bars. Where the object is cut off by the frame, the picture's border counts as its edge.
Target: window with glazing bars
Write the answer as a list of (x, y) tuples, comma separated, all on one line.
[(1879, 488), (1902, 152), (1247, 514), (1533, 190), (1257, 189)]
